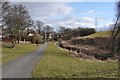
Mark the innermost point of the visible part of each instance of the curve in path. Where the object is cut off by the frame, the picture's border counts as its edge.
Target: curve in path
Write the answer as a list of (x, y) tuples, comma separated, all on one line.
[(23, 66)]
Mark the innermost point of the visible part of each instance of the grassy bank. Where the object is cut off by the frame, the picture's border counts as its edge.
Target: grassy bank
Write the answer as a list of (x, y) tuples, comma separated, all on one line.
[(9, 54), (99, 34), (59, 63)]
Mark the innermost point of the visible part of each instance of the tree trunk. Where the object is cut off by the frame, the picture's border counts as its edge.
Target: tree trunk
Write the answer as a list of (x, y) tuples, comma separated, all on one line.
[(114, 36), (13, 43), (24, 40)]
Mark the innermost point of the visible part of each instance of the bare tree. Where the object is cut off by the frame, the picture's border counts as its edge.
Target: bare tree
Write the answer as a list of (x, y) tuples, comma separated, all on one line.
[(61, 30), (116, 31), (16, 20), (5, 9), (38, 26), (47, 30)]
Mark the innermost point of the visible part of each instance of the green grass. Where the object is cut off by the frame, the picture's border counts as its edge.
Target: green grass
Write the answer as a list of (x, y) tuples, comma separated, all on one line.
[(59, 63), (100, 34), (9, 54)]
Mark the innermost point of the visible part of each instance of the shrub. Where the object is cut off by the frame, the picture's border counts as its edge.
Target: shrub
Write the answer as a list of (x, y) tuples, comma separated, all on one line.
[(37, 39), (78, 32)]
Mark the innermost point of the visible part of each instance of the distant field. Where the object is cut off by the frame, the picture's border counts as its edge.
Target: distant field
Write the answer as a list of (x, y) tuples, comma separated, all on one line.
[(9, 54), (59, 63)]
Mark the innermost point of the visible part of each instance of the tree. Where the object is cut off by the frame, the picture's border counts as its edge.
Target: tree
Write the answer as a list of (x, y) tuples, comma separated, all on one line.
[(47, 30), (4, 11), (61, 30), (5, 8), (16, 20), (65, 33), (116, 31), (68, 33), (27, 35), (38, 26), (37, 39)]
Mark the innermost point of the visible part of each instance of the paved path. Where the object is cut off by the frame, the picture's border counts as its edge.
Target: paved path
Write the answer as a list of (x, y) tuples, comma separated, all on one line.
[(22, 67)]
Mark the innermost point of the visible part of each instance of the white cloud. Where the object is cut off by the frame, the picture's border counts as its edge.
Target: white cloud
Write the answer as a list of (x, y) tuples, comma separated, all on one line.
[(56, 14), (45, 10), (90, 12), (106, 27), (86, 19), (73, 22), (94, 12), (109, 24)]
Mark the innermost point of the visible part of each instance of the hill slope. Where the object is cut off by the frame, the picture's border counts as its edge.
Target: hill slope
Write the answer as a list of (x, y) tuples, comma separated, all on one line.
[(99, 34)]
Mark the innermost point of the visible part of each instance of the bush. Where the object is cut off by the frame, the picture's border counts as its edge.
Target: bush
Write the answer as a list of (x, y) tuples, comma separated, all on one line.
[(59, 40), (67, 36), (37, 39), (83, 31), (78, 32)]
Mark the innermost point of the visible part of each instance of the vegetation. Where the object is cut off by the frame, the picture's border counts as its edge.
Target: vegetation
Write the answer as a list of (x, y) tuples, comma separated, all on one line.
[(16, 18), (17, 25), (99, 34), (83, 31), (37, 39), (116, 32), (9, 54), (67, 33), (59, 63), (38, 25), (108, 34)]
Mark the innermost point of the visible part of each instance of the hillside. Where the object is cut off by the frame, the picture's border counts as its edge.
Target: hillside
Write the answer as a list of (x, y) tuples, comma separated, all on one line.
[(99, 34), (97, 45)]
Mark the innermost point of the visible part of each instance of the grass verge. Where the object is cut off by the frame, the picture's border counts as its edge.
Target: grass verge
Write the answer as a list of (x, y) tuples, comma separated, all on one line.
[(9, 54), (59, 63)]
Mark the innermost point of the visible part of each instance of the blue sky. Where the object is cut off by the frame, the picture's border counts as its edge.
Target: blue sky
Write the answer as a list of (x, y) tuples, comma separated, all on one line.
[(73, 14), (100, 10)]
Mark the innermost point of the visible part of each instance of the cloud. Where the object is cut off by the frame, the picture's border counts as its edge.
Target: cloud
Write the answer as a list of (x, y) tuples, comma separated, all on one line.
[(86, 19), (90, 12), (73, 22), (109, 24), (45, 10), (94, 12), (106, 27), (56, 14)]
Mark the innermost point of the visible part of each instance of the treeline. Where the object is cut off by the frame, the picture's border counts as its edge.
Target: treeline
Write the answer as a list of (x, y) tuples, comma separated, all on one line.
[(67, 33), (18, 25)]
